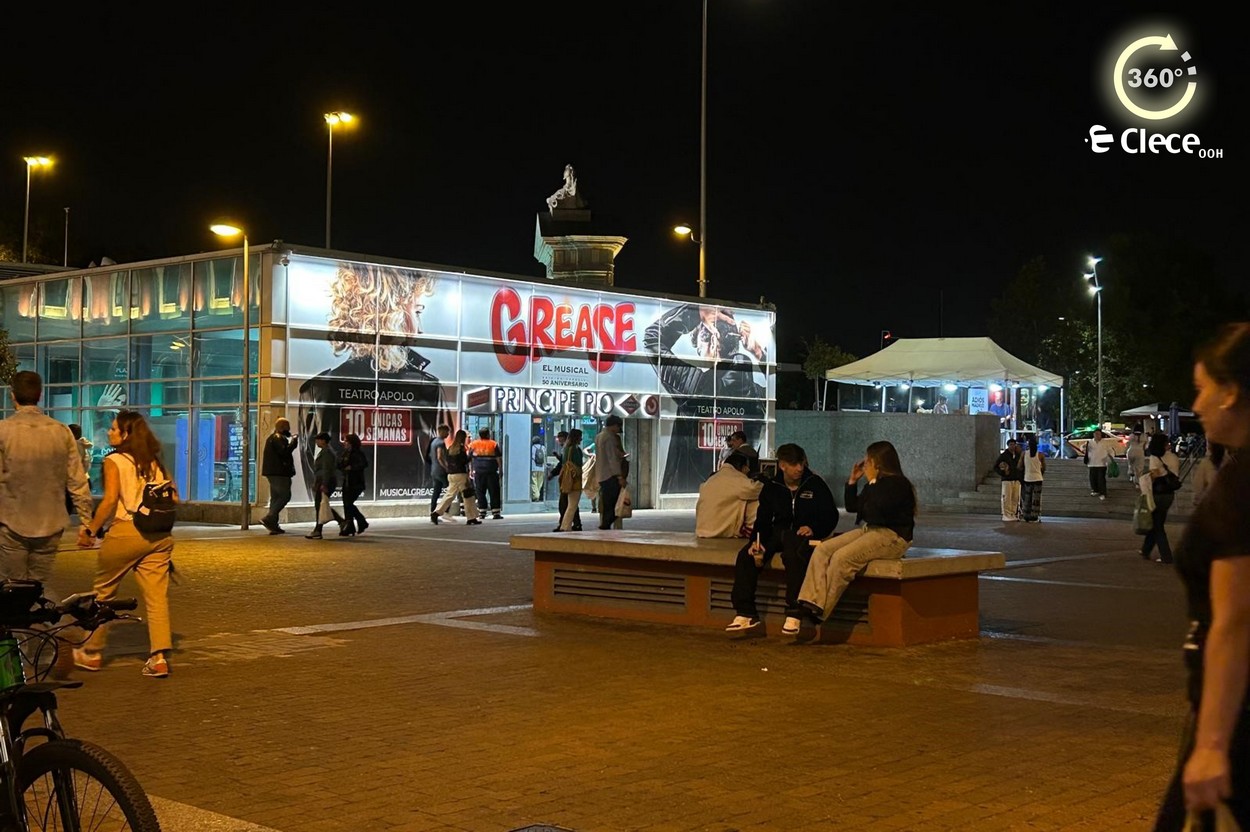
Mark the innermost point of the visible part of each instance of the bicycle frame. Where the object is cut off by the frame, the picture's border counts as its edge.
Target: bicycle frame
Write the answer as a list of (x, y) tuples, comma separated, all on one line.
[(18, 701)]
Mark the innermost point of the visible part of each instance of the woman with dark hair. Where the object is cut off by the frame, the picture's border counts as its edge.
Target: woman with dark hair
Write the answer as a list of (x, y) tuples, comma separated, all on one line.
[(886, 516), (571, 481), (457, 454), (353, 462), (135, 463), (1031, 489), (1213, 559), (1160, 462)]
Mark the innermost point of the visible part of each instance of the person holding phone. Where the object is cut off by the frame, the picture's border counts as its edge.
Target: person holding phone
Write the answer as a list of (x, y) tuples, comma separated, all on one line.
[(278, 468), (886, 512)]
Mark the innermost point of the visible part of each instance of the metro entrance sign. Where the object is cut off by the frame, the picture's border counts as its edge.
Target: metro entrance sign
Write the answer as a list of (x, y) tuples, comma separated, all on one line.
[(548, 402)]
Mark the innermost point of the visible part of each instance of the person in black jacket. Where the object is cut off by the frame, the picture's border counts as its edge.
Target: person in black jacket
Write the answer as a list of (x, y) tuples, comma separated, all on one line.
[(795, 508), (1010, 467), (278, 467), (885, 518), (353, 462), (325, 482)]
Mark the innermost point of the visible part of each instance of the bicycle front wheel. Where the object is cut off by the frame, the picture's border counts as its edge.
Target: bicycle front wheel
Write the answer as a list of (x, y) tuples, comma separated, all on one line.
[(74, 786)]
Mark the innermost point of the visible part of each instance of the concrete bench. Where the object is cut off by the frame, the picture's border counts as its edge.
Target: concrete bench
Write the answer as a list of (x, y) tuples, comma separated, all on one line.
[(676, 578)]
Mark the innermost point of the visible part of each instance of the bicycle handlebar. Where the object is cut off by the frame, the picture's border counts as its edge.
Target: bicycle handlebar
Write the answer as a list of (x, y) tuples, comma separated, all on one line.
[(27, 607)]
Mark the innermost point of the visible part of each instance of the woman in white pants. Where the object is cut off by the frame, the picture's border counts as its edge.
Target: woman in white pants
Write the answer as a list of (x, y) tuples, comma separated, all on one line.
[(457, 480), (886, 511), (571, 478)]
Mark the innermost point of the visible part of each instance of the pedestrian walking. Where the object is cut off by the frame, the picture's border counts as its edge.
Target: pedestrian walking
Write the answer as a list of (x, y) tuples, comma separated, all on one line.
[(1010, 467), (353, 462), (39, 464), (84, 447), (1031, 488), (134, 465), (277, 466), (570, 468), (458, 480), (486, 463), (612, 469), (1136, 454), (1099, 451), (438, 465), (885, 520), (1160, 462), (1213, 560), (325, 482)]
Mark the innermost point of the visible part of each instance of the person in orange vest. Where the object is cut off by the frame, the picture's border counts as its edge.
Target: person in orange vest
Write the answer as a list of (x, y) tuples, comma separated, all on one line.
[(486, 462)]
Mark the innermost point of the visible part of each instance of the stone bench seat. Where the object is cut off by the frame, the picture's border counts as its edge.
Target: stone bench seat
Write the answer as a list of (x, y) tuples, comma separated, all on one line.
[(676, 578)]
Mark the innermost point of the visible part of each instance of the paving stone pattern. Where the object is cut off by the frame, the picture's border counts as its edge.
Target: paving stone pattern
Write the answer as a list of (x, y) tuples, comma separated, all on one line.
[(1064, 716)]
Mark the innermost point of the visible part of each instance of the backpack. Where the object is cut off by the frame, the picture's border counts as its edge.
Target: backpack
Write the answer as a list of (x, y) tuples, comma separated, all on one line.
[(539, 452), (157, 507)]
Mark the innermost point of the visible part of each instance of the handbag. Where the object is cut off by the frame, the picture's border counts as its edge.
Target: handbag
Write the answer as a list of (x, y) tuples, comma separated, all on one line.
[(570, 478), (1113, 468), (624, 506), (1224, 821), (325, 514), (1143, 522), (1168, 483), (468, 490)]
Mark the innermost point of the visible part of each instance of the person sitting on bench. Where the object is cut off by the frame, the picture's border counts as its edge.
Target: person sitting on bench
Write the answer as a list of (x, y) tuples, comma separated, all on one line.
[(728, 500), (795, 508), (886, 516)]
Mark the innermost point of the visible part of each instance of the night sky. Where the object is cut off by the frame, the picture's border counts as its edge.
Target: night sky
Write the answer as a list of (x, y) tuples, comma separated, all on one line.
[(864, 160)]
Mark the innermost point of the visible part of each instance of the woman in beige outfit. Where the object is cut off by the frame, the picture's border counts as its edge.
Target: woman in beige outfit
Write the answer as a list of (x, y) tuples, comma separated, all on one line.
[(136, 461)]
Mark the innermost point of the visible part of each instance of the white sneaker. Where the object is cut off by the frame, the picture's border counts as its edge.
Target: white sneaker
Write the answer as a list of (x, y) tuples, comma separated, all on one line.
[(1093, 493), (1102, 496), (790, 627), (742, 622)]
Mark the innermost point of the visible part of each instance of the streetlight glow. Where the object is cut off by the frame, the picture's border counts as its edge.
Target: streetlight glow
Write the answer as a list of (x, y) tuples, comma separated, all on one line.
[(225, 229), (1095, 289), (32, 162), (683, 230), (336, 117)]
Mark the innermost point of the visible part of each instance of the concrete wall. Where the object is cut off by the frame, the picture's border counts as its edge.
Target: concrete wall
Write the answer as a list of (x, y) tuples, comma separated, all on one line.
[(941, 454)]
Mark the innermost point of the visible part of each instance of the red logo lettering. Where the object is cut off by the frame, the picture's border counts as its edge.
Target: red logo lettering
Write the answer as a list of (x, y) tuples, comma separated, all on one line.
[(606, 331)]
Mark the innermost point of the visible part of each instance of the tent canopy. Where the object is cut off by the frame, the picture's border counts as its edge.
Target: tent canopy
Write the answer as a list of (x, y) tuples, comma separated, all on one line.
[(929, 362), (1154, 410)]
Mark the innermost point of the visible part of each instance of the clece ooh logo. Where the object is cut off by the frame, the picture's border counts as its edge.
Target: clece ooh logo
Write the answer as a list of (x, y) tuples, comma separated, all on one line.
[(1154, 80)]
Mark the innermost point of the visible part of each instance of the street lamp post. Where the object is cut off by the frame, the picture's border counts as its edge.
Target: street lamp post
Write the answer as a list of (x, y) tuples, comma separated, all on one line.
[(227, 230), (703, 166), (337, 117), (1095, 289), (32, 162)]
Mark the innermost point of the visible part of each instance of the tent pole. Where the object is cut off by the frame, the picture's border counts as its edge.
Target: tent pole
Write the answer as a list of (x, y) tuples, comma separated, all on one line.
[(1062, 423), (883, 398)]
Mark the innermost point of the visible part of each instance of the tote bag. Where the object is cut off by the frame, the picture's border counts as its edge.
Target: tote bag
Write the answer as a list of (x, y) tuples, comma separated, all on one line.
[(624, 506)]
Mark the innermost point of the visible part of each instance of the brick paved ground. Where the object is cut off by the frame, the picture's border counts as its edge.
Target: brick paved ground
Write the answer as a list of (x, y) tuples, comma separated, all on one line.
[(1063, 716)]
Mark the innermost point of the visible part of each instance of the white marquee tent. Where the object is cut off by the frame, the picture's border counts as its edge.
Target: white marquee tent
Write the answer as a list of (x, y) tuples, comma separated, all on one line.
[(930, 362), (944, 362)]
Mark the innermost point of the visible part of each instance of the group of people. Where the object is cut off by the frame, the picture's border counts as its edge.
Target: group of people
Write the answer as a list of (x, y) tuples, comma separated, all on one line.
[(794, 514), (1022, 473), (278, 467), (41, 471)]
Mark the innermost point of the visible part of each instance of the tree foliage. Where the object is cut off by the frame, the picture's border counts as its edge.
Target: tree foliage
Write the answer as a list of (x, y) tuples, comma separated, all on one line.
[(8, 362), (819, 356)]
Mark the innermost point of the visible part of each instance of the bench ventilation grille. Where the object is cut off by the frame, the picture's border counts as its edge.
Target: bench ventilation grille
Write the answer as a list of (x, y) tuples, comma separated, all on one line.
[(625, 589), (852, 609)]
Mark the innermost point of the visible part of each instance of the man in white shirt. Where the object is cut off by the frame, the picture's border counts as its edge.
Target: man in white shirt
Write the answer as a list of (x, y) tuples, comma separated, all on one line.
[(1098, 452), (728, 500)]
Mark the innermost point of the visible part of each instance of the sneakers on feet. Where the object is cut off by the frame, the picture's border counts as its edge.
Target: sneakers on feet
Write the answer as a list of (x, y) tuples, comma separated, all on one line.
[(742, 622), (791, 626), (474, 522), (87, 661), (157, 667), (1102, 496), (313, 536), (496, 516)]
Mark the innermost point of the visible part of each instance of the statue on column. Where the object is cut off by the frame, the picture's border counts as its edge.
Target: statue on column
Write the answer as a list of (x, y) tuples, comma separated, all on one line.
[(567, 196)]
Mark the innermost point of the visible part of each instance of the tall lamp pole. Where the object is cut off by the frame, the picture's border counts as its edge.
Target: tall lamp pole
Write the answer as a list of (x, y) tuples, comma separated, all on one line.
[(65, 261), (227, 230), (337, 117), (32, 162), (703, 166), (1095, 289)]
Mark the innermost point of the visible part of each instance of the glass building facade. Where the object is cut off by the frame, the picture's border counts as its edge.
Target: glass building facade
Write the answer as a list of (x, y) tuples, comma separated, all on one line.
[(389, 351)]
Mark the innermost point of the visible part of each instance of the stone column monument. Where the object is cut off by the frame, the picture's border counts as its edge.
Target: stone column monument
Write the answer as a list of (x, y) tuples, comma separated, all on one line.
[(569, 243)]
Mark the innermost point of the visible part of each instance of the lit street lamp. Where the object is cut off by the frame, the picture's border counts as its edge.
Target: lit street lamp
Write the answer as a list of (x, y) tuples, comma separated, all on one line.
[(1095, 289), (32, 162), (227, 230), (332, 119), (686, 231)]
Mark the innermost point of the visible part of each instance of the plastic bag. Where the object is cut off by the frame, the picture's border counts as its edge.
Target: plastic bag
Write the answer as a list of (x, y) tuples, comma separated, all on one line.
[(624, 506), (1143, 522), (1113, 468), (325, 514)]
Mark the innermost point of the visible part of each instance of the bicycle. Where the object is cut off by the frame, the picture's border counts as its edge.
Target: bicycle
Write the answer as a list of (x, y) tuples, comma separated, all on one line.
[(48, 780)]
